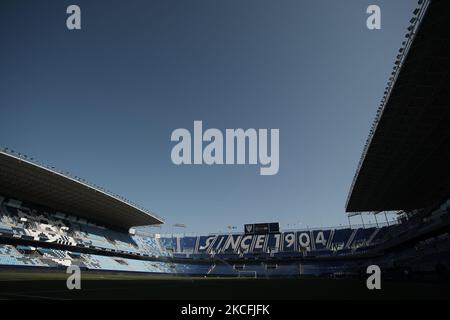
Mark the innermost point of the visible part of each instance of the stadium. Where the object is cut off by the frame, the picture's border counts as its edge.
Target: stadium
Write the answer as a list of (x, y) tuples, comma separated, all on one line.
[(51, 220)]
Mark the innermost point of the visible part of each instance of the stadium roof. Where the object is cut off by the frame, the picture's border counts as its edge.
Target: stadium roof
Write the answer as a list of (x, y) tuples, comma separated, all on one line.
[(28, 181), (406, 161)]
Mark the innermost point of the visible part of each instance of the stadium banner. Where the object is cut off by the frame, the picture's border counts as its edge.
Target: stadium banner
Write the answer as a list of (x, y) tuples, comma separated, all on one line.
[(303, 241), (246, 243), (204, 243), (216, 246), (260, 243), (273, 242), (289, 242), (231, 245), (320, 239)]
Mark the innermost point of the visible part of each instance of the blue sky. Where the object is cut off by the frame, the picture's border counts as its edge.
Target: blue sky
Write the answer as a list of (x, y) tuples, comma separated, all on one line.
[(103, 101)]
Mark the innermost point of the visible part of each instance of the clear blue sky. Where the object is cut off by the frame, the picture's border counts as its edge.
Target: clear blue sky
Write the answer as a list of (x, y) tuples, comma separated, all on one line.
[(102, 102)]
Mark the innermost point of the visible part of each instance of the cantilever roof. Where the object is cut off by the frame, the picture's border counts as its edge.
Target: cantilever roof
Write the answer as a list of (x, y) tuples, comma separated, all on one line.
[(405, 164), (28, 181)]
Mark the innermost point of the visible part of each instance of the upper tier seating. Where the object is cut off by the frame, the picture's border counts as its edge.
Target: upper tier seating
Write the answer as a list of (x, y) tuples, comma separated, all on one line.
[(33, 223)]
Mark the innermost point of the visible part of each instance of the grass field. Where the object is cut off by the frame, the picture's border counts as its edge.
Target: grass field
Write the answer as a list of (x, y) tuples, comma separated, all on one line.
[(52, 285)]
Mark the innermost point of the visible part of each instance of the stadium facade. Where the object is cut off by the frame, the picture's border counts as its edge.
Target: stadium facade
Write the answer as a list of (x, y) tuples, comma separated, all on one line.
[(51, 220)]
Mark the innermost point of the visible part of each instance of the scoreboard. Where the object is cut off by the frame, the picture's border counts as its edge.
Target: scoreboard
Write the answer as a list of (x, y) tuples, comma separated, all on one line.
[(262, 228)]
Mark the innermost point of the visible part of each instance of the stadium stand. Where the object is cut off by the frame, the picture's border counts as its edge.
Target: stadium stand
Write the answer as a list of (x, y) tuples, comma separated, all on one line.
[(34, 236), (42, 226), (34, 223), (41, 237)]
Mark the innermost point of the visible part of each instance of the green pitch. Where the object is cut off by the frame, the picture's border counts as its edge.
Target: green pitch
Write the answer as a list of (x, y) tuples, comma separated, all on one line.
[(19, 284)]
